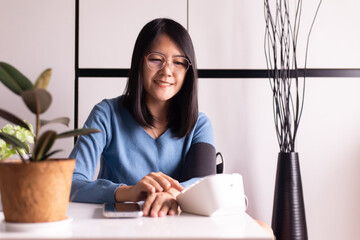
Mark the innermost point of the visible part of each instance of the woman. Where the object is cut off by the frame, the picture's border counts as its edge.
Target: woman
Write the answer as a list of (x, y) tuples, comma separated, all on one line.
[(152, 136)]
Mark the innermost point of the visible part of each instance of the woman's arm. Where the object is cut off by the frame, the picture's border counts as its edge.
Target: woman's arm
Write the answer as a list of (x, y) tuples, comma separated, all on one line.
[(157, 189), (160, 204), (151, 183), (87, 152), (200, 161)]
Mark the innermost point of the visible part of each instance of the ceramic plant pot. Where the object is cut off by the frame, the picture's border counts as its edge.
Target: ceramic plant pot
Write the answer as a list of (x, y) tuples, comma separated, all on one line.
[(36, 191), (288, 220)]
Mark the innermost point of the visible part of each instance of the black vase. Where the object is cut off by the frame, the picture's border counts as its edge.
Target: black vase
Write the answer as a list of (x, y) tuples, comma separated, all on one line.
[(288, 219)]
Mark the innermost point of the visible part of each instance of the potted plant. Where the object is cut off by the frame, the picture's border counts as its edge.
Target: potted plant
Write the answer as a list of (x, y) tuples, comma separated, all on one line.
[(288, 219), (36, 187)]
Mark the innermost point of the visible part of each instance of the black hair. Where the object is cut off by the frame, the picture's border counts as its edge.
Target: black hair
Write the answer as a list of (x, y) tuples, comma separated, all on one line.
[(183, 111)]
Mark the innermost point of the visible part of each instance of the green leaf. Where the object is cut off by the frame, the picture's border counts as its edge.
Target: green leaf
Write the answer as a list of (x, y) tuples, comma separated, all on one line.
[(76, 132), (23, 134), (47, 156), (62, 120), (43, 80), (12, 140), (14, 119), (13, 79), (43, 145), (38, 100)]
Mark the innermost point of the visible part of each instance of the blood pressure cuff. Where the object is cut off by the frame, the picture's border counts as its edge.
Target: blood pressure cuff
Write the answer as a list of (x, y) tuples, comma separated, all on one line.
[(200, 161)]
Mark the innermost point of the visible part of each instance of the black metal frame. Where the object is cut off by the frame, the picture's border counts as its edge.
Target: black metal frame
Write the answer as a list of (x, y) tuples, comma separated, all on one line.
[(203, 73)]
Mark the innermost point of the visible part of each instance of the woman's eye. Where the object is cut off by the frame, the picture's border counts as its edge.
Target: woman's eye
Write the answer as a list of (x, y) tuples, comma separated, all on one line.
[(179, 63), (155, 60)]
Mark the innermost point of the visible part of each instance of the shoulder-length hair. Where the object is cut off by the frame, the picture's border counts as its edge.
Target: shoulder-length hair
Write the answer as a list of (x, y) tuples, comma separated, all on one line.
[(183, 111)]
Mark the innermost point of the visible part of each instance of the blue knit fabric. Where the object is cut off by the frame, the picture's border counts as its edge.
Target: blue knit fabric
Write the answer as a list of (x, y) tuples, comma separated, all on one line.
[(127, 152)]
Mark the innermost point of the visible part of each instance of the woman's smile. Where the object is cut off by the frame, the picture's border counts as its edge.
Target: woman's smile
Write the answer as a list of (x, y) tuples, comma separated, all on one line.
[(163, 84)]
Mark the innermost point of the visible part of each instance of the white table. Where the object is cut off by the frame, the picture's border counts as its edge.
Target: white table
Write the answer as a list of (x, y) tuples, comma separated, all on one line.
[(86, 222)]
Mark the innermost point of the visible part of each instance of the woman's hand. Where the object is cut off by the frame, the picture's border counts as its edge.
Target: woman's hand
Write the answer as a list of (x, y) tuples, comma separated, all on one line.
[(160, 204), (151, 183)]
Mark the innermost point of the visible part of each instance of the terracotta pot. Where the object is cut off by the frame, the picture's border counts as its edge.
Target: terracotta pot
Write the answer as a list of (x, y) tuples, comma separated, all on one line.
[(36, 191)]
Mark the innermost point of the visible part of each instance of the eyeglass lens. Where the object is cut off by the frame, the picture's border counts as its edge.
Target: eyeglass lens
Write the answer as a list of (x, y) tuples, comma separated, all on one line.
[(156, 61)]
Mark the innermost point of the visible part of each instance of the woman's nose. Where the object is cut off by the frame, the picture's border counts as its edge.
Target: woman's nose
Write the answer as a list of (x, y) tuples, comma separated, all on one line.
[(168, 67)]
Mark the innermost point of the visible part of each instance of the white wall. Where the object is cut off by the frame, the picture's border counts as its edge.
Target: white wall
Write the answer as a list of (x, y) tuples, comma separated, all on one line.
[(226, 34)]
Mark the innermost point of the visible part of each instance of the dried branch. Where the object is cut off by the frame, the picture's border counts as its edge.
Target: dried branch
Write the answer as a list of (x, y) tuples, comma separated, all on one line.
[(280, 45)]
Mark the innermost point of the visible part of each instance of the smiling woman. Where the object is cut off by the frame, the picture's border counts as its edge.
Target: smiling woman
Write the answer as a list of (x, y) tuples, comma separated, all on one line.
[(153, 135), (162, 81)]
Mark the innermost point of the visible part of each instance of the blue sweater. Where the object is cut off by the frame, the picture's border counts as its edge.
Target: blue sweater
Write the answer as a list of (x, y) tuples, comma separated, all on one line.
[(127, 152)]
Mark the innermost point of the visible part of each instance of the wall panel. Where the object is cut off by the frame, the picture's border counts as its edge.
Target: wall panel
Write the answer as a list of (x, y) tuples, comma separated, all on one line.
[(227, 34), (241, 113), (108, 29), (94, 90), (230, 34), (328, 145)]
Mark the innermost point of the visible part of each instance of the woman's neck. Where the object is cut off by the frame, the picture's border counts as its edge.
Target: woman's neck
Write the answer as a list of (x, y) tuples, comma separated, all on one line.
[(159, 110)]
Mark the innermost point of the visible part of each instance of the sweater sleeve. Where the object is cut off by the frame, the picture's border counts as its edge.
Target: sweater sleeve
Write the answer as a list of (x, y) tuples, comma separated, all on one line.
[(203, 131), (87, 151)]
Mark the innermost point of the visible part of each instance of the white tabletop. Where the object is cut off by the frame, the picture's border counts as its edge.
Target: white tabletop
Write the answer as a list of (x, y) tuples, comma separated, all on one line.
[(86, 222)]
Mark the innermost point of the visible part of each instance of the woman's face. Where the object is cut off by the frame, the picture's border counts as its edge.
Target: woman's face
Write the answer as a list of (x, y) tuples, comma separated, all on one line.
[(161, 85)]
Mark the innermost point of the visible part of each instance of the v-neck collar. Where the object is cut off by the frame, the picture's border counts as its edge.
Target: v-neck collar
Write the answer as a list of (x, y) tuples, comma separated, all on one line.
[(156, 139)]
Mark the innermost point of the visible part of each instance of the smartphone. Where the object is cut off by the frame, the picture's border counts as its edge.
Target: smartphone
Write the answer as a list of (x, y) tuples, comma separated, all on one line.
[(122, 210)]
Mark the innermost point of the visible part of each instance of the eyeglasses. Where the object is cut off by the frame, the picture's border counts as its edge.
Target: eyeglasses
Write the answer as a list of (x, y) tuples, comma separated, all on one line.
[(157, 61)]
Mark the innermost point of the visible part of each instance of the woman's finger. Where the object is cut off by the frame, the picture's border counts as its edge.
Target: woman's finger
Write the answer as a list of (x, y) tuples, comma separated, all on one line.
[(161, 203), (175, 183), (147, 206), (166, 181), (173, 208), (169, 207), (150, 180), (161, 179), (165, 208)]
